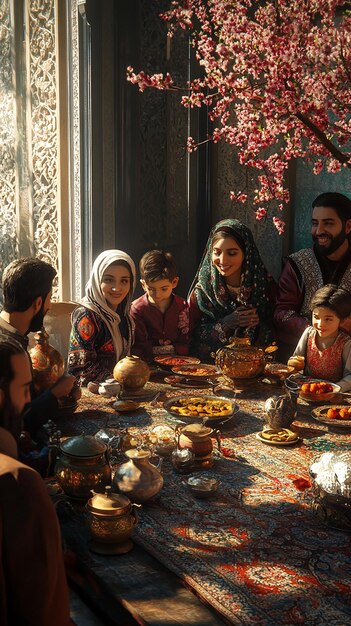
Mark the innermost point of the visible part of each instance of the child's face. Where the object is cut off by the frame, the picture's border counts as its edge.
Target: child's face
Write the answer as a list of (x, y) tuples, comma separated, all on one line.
[(115, 285), (325, 321), (159, 291)]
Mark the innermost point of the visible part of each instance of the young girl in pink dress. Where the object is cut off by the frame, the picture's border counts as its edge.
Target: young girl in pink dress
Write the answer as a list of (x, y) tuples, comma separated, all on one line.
[(325, 347)]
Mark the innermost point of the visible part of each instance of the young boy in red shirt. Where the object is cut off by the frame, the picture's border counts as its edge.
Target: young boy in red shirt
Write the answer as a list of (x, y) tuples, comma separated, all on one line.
[(161, 317)]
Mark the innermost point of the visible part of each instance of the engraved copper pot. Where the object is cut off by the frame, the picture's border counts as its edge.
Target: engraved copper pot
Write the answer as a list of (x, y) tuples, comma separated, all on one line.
[(111, 517), (197, 438), (82, 466)]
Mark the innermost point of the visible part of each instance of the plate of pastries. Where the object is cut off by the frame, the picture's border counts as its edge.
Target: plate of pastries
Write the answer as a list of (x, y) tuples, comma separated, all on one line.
[(278, 436), (201, 406)]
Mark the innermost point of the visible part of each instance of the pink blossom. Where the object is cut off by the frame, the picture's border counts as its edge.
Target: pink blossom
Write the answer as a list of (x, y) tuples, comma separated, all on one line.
[(275, 79)]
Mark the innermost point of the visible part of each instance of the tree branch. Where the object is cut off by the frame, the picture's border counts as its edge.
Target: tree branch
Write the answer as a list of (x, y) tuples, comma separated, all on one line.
[(337, 154)]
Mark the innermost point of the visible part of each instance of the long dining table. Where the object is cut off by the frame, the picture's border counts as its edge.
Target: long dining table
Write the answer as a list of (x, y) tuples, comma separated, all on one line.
[(254, 553)]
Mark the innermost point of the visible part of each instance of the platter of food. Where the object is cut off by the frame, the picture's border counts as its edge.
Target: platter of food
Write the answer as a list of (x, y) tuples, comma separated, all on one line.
[(168, 361), (315, 390), (336, 415), (196, 371), (203, 408), (279, 371), (192, 383), (278, 437)]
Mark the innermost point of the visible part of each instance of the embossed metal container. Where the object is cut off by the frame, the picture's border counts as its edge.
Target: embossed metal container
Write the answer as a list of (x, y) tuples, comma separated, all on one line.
[(82, 466), (240, 359), (48, 364), (111, 517)]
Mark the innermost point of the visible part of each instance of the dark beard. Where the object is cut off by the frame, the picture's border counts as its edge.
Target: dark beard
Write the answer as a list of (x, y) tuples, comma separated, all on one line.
[(37, 321), (335, 243), (11, 419)]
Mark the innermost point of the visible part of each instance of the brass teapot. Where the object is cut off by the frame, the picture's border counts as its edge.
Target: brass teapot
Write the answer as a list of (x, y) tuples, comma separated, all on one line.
[(240, 359)]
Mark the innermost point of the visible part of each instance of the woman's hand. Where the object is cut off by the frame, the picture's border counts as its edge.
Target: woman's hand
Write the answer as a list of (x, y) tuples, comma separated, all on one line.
[(248, 317), (243, 317)]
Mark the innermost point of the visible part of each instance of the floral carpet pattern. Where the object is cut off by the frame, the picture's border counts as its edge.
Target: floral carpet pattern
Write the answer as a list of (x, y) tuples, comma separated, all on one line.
[(254, 551)]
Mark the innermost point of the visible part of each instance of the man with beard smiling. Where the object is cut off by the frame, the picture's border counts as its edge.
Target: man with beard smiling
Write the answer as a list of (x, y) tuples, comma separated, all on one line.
[(27, 288), (305, 271), (33, 587)]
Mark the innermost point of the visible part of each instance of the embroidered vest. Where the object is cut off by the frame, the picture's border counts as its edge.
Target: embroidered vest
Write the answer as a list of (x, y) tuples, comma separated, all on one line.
[(312, 277), (326, 364)]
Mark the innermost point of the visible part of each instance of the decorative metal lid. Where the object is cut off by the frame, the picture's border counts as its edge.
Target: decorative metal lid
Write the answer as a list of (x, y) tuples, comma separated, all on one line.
[(196, 430), (109, 504), (83, 446)]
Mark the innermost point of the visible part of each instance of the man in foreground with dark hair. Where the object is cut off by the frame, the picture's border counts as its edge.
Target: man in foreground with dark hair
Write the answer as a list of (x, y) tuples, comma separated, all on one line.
[(27, 288), (33, 587), (305, 271)]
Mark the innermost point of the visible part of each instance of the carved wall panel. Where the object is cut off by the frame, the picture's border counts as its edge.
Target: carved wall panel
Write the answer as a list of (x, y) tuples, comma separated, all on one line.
[(163, 208), (43, 148), (28, 131), (8, 236)]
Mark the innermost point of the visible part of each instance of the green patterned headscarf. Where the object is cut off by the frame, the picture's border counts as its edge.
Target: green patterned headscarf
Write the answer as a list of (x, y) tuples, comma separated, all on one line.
[(212, 296)]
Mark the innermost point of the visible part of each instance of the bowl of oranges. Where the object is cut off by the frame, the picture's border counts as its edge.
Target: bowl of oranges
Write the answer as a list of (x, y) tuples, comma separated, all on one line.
[(318, 390)]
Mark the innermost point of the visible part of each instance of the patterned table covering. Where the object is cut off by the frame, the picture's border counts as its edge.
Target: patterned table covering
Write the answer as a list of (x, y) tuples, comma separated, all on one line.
[(254, 551)]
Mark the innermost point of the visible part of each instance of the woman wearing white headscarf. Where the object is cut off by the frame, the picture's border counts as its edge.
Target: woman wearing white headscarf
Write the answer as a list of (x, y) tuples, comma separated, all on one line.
[(102, 328)]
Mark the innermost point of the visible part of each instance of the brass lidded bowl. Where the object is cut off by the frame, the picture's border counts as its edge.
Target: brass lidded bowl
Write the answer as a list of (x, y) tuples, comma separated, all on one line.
[(82, 466), (240, 359), (111, 517)]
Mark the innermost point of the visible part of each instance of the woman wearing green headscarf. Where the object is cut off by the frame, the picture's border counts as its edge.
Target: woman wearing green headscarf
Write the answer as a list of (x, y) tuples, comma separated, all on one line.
[(230, 293)]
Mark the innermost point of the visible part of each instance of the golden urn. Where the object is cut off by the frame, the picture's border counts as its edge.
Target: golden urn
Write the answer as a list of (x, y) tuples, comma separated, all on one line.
[(240, 359)]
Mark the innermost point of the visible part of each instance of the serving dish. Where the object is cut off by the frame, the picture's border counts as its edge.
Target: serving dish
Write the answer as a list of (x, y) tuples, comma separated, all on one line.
[(168, 361), (286, 437), (181, 381), (280, 371), (202, 486), (124, 406), (201, 408), (196, 371), (317, 395), (320, 415)]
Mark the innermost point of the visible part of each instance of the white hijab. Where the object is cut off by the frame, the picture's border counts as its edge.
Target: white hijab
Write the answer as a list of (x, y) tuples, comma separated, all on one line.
[(95, 300)]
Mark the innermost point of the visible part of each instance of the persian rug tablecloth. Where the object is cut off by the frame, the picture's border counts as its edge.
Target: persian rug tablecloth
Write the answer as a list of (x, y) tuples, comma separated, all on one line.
[(254, 551)]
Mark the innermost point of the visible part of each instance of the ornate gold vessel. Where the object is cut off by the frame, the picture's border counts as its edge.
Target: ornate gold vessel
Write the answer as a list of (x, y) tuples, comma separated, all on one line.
[(82, 466), (240, 359), (48, 364), (111, 520)]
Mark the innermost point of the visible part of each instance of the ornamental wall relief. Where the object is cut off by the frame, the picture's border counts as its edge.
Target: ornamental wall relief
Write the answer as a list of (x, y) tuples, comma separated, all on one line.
[(28, 132)]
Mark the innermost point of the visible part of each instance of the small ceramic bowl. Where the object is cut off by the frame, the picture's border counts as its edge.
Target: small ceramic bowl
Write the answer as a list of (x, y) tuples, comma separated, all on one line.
[(202, 486)]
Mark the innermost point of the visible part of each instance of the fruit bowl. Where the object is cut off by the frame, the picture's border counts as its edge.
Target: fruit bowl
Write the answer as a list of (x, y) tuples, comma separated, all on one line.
[(314, 390)]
